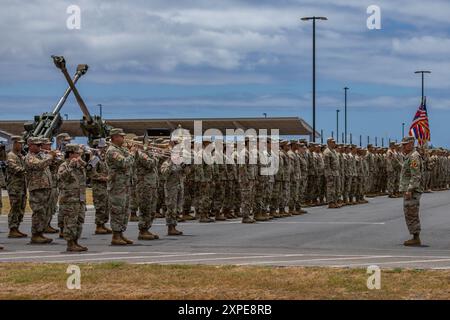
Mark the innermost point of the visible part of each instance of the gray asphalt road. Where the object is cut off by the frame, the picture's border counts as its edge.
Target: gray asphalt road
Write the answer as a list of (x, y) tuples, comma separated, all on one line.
[(355, 236)]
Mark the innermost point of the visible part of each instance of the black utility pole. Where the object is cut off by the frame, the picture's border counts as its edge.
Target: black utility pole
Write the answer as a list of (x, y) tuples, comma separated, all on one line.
[(101, 109), (403, 130), (314, 18), (345, 114), (337, 125), (422, 72)]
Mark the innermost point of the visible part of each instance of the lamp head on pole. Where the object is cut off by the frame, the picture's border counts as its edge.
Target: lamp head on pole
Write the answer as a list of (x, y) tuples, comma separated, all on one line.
[(313, 18)]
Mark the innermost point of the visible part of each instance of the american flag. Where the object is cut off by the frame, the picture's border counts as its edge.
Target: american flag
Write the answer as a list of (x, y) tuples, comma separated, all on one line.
[(420, 128)]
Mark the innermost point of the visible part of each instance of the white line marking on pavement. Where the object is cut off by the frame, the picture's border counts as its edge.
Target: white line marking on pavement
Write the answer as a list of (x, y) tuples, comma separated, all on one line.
[(61, 255), (311, 260), (393, 262), (22, 252), (133, 257)]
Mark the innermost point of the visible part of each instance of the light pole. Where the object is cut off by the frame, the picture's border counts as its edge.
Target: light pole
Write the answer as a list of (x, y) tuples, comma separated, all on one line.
[(422, 72), (314, 70), (345, 114), (67, 116), (337, 125), (403, 130), (101, 109)]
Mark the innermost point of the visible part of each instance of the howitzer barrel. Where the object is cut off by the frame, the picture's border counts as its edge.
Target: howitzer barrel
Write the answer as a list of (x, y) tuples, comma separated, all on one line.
[(60, 63), (81, 70)]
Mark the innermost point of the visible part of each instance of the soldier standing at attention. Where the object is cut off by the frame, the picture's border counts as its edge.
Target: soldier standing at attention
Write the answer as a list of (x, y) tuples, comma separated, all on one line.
[(331, 172), (391, 158), (119, 162), (98, 174), (304, 176), (17, 187), (39, 179), (173, 172), (2, 174), (72, 199), (246, 177), (411, 184)]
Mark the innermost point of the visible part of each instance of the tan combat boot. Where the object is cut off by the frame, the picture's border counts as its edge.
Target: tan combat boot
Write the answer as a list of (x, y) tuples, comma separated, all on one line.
[(145, 235), (117, 240), (72, 247), (50, 229), (38, 238), (172, 231), (128, 241), (414, 242), (101, 229), (205, 219), (24, 235), (61, 233), (248, 220), (83, 248), (134, 217), (260, 217), (187, 217), (15, 233), (220, 217)]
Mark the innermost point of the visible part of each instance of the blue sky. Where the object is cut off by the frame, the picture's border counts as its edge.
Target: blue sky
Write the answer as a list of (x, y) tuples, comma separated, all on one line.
[(198, 58)]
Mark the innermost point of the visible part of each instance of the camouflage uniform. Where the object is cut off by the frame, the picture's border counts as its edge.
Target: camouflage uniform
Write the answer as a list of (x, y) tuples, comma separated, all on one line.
[(391, 159), (39, 179), (72, 199), (411, 181), (321, 186), (2, 185), (119, 162), (354, 174), (203, 177), (17, 188), (189, 190), (134, 202), (219, 182), (303, 177), (173, 190), (99, 176), (348, 178), (331, 172), (147, 188), (295, 181), (247, 177), (54, 166), (312, 177)]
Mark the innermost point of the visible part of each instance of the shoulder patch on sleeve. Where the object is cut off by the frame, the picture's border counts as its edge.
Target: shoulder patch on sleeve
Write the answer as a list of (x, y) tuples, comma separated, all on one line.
[(414, 164)]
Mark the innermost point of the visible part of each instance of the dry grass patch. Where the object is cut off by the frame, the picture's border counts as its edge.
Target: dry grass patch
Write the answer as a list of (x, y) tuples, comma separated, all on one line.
[(126, 281), (6, 206)]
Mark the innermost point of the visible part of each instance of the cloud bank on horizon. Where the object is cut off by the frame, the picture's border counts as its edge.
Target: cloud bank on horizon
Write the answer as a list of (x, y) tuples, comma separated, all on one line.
[(229, 58)]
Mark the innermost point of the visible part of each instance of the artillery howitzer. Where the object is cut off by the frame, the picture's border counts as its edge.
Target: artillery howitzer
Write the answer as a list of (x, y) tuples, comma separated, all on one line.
[(47, 124), (92, 126)]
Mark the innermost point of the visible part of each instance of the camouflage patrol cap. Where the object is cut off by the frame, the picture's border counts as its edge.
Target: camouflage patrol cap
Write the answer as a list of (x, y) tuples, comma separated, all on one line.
[(407, 140), (117, 131), (34, 140), (293, 142), (71, 147), (45, 141), (283, 143), (17, 139), (64, 136)]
